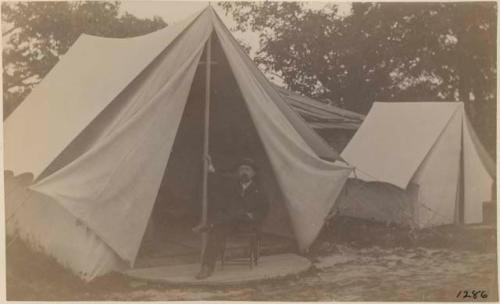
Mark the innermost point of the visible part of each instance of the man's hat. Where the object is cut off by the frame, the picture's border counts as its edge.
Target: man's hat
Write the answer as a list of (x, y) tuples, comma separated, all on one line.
[(248, 162)]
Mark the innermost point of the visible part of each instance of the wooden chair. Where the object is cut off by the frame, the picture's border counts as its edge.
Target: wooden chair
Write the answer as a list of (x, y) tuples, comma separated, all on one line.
[(254, 236)]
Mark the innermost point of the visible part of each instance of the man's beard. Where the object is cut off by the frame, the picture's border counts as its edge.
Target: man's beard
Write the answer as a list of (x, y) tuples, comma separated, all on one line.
[(244, 178)]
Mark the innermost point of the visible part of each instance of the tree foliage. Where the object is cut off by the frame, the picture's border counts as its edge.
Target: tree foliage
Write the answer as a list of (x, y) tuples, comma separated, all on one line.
[(36, 34), (381, 52)]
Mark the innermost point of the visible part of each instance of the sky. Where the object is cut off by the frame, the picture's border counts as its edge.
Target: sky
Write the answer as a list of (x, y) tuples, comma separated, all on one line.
[(175, 11)]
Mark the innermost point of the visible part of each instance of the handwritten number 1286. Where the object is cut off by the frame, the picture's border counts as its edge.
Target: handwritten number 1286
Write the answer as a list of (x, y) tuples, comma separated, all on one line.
[(472, 294)]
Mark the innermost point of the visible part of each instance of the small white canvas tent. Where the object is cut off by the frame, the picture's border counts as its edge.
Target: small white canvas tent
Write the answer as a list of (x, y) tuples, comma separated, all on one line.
[(417, 163), (99, 132)]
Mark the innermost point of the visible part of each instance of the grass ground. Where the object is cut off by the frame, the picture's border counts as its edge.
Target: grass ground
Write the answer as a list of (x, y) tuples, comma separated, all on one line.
[(355, 260)]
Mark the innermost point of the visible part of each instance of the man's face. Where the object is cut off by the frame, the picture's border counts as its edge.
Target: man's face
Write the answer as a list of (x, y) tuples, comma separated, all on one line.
[(246, 173)]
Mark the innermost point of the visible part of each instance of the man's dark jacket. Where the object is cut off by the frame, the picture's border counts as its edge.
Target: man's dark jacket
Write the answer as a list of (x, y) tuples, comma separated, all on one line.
[(229, 202)]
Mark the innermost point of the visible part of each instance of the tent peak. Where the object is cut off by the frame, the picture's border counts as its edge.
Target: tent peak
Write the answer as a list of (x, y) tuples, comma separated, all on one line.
[(209, 6)]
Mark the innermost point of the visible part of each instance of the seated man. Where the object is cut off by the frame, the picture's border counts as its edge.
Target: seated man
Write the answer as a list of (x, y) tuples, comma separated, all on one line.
[(237, 203)]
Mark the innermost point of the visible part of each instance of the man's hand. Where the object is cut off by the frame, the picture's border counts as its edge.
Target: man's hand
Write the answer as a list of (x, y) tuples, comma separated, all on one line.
[(209, 162)]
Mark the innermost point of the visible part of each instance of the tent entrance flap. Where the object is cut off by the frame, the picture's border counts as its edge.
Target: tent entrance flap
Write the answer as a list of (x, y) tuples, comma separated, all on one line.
[(232, 135)]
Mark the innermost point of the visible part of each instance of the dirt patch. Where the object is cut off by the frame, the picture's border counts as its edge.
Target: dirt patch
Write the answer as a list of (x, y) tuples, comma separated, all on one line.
[(35, 276), (407, 274), (355, 260), (359, 233)]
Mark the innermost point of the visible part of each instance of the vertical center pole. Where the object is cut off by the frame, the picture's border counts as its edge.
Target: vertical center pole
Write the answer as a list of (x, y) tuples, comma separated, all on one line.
[(461, 184), (204, 210)]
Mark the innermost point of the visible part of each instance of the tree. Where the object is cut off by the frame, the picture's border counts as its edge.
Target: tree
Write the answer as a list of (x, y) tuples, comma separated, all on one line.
[(36, 34), (381, 52)]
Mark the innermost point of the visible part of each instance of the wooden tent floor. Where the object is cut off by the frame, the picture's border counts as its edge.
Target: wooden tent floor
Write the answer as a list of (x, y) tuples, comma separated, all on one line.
[(270, 267)]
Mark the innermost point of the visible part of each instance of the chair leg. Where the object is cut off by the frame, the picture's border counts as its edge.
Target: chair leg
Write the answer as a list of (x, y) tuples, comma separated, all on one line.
[(251, 261), (253, 250), (257, 252), (223, 254), (251, 253)]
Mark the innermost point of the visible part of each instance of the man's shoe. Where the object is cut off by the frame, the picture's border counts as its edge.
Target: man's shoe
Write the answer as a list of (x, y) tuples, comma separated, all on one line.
[(204, 273)]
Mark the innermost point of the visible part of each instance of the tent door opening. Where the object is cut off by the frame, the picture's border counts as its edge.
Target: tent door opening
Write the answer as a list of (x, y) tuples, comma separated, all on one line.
[(232, 136)]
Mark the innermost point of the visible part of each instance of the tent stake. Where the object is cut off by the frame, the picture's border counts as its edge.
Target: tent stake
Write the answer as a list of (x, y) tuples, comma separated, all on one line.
[(204, 206)]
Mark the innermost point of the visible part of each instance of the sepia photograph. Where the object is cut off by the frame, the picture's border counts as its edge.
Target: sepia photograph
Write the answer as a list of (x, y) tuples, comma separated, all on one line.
[(250, 151)]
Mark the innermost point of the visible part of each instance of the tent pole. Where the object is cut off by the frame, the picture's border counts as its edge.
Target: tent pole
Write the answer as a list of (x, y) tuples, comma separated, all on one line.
[(204, 206), (461, 184)]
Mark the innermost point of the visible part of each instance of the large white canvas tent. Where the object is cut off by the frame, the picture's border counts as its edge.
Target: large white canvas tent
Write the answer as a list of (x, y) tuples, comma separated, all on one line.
[(118, 123), (418, 164)]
